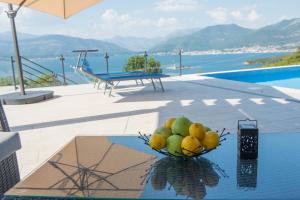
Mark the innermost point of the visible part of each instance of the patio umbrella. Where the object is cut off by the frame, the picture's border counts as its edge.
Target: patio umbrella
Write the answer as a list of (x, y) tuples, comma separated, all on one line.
[(60, 8)]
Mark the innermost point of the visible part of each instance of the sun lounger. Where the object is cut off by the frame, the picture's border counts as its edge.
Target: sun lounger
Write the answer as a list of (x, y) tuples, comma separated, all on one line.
[(98, 80), (113, 79)]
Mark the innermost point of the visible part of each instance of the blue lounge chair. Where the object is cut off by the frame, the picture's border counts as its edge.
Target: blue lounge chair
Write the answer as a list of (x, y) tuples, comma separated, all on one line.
[(117, 74), (112, 80)]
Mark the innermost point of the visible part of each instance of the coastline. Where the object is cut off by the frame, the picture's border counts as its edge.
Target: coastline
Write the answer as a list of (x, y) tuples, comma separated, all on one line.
[(228, 52)]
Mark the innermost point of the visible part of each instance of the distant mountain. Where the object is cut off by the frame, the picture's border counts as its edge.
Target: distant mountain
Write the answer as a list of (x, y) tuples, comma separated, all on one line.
[(212, 37), (54, 45), (135, 43), (230, 36), (7, 36), (283, 35), (139, 44), (181, 32)]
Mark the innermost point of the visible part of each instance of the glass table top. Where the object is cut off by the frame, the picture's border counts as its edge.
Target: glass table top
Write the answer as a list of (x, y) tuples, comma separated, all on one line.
[(124, 167)]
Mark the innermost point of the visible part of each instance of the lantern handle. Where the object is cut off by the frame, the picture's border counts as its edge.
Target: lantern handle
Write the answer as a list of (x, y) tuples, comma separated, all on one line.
[(247, 120)]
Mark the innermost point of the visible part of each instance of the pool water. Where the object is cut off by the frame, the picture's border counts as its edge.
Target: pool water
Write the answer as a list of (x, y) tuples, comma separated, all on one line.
[(289, 83), (280, 76)]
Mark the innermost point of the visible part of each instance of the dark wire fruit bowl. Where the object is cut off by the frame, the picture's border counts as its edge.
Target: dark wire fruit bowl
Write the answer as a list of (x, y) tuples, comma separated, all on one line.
[(146, 139)]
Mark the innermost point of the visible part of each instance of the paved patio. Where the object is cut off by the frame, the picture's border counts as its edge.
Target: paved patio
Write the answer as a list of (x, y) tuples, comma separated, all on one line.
[(82, 110)]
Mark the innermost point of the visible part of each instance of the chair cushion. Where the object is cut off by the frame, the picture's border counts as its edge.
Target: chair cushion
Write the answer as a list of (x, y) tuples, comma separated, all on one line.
[(9, 143)]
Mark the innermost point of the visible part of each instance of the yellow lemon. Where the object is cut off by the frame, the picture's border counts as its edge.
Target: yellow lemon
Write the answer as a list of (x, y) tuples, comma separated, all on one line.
[(197, 130), (191, 145), (169, 123), (211, 140), (157, 142)]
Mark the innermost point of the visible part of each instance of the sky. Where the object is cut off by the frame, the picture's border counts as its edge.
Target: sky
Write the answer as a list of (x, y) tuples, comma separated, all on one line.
[(153, 18)]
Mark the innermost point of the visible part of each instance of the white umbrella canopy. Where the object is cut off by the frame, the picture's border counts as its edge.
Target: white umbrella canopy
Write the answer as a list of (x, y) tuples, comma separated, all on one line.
[(60, 8)]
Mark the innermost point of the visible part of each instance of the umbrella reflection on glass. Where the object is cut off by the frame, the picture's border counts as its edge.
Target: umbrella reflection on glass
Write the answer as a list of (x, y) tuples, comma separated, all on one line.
[(187, 177), (90, 167), (60, 8)]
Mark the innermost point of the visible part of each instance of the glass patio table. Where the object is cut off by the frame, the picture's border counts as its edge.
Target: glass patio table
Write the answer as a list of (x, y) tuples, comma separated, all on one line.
[(124, 167)]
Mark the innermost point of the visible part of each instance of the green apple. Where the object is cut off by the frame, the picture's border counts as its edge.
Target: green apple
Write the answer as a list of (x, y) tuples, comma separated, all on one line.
[(174, 145), (181, 126), (165, 132)]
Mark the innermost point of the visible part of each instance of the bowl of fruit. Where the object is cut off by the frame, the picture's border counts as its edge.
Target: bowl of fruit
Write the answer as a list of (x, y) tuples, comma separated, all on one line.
[(180, 137)]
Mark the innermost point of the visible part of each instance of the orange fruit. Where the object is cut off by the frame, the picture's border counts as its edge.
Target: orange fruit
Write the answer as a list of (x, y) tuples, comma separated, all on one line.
[(197, 130), (157, 142), (211, 140), (190, 146)]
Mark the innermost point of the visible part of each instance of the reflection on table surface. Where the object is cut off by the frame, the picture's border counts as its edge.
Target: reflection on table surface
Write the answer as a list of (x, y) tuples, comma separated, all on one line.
[(274, 175), (246, 174), (187, 177)]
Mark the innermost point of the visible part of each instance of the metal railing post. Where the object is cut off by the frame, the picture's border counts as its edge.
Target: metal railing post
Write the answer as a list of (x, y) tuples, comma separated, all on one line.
[(62, 59), (106, 58), (146, 60), (13, 72), (180, 62)]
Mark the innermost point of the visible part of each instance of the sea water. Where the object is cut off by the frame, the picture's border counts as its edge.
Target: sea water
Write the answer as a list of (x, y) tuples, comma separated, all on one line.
[(169, 63)]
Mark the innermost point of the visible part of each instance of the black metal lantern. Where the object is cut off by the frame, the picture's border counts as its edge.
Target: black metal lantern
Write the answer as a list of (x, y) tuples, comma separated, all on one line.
[(248, 139)]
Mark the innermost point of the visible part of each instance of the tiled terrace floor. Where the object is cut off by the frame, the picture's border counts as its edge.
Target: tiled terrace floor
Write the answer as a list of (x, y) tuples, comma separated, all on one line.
[(82, 110)]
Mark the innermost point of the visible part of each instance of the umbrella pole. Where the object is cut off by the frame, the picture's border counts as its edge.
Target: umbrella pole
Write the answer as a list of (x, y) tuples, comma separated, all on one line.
[(12, 14)]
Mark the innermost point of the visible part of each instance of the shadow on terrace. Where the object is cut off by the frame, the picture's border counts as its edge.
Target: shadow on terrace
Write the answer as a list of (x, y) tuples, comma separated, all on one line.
[(215, 102)]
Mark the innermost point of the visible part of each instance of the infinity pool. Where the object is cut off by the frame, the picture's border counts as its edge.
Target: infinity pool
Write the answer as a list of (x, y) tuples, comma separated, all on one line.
[(278, 76)]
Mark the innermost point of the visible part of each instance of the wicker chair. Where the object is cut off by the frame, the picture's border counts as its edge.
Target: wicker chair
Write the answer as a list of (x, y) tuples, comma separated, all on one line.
[(9, 170)]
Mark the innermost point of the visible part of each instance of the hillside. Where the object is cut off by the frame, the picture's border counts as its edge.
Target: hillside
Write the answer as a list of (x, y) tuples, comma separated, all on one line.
[(54, 45), (213, 37), (285, 34), (291, 59)]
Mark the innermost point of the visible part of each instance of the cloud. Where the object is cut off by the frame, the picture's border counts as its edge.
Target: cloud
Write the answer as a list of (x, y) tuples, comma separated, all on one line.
[(246, 14), (112, 16), (236, 14), (177, 5), (113, 23), (219, 14), (3, 18), (1, 8), (253, 16), (283, 17), (167, 22), (25, 19)]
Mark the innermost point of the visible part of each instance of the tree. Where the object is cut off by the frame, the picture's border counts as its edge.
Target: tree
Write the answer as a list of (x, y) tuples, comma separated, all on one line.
[(153, 66), (138, 63)]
